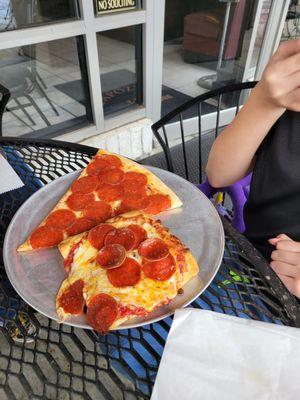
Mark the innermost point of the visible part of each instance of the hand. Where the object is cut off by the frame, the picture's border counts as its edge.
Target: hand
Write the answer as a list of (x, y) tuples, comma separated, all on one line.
[(286, 262), (280, 83)]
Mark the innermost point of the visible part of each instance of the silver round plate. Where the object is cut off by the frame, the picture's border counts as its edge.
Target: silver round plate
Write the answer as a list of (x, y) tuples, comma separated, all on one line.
[(37, 275)]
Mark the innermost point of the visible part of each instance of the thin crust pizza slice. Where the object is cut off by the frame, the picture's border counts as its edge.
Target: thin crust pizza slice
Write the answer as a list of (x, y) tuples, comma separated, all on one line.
[(110, 185), (122, 269)]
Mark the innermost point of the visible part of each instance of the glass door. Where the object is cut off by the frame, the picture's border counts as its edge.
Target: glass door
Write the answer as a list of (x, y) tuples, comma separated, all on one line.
[(209, 44)]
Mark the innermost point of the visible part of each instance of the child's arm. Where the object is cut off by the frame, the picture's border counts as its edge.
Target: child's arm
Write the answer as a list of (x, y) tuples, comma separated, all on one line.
[(232, 154)]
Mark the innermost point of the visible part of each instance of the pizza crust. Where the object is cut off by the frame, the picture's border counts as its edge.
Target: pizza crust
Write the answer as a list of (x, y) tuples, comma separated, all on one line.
[(192, 269)]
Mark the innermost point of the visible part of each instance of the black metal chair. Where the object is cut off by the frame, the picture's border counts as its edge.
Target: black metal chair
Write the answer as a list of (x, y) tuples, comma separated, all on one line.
[(186, 158), (5, 95)]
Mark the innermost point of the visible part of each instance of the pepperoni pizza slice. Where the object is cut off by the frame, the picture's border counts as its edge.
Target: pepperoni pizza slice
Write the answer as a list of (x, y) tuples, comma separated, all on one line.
[(121, 269), (110, 185)]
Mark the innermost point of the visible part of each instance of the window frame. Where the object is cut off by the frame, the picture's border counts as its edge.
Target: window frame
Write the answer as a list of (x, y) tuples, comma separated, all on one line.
[(151, 17)]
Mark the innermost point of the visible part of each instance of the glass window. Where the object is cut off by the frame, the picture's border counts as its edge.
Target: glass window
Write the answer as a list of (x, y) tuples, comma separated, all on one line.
[(17, 14), (49, 88), (206, 46), (120, 58), (291, 28)]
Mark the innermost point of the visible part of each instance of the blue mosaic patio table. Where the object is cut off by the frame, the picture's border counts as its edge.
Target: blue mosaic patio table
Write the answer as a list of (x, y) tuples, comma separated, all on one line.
[(41, 359)]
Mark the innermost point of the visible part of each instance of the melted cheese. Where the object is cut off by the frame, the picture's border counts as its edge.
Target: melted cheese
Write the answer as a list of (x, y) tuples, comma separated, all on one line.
[(147, 293)]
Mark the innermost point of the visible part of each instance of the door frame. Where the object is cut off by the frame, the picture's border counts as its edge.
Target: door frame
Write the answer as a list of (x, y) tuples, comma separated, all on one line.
[(273, 34)]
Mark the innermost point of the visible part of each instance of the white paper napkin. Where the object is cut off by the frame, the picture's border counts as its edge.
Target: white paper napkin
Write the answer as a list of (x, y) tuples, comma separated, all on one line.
[(212, 356), (9, 180)]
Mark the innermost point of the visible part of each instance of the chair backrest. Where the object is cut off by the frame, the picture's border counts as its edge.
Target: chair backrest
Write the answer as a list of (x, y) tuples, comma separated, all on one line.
[(187, 155)]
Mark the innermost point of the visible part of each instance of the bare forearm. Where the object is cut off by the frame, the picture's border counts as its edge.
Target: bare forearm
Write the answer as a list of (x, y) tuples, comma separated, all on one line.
[(231, 156)]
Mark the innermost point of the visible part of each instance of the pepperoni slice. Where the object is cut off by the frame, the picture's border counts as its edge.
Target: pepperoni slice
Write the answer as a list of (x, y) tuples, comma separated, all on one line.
[(136, 178), (97, 235), (87, 184), (123, 236), (139, 234), (79, 226), (160, 270), (46, 236), (111, 256), (102, 311), (78, 201), (111, 175), (153, 249), (101, 162), (132, 202), (98, 211), (72, 300), (132, 189), (157, 203), (109, 193), (60, 219), (128, 274), (96, 166), (134, 183)]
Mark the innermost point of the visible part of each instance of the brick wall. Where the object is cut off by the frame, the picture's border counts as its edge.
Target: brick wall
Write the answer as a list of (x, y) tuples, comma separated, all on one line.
[(134, 140)]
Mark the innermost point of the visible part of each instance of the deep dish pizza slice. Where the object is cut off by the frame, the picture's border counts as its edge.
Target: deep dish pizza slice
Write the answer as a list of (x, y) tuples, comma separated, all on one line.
[(110, 185), (122, 269)]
